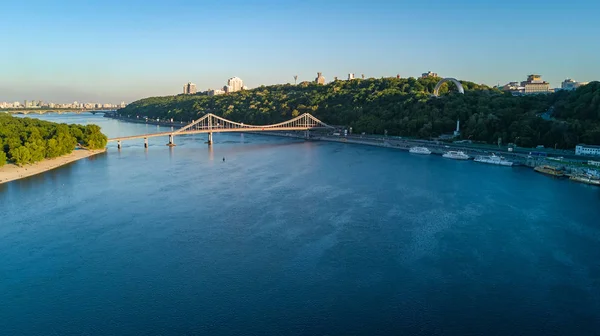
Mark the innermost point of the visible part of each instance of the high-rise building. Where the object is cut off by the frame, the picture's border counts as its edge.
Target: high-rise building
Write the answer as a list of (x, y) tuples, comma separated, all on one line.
[(535, 84), (320, 79), (350, 76), (429, 74), (189, 88), (234, 84)]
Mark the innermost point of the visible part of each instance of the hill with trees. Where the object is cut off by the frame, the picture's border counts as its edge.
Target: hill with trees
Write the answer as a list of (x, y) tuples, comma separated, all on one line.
[(27, 140), (403, 107)]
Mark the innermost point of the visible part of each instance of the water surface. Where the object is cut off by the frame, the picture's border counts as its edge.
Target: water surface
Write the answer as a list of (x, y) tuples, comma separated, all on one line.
[(293, 237)]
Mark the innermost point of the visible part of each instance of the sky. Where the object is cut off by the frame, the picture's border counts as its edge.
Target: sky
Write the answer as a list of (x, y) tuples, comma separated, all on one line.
[(124, 50)]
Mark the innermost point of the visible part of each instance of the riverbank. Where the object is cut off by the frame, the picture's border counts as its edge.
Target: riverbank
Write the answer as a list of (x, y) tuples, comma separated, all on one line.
[(11, 172)]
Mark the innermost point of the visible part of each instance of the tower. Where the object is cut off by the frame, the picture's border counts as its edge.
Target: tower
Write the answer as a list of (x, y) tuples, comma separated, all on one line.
[(320, 79), (457, 132)]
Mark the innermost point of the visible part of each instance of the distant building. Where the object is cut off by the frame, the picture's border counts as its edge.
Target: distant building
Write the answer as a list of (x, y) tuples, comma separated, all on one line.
[(429, 74), (535, 84), (569, 84), (189, 88), (398, 76), (514, 87), (234, 84), (216, 92), (587, 150), (320, 79), (350, 76), (594, 163)]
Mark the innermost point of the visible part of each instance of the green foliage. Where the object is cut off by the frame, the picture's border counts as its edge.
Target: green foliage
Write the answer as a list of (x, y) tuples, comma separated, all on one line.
[(26, 140), (403, 107), (20, 155), (2, 158)]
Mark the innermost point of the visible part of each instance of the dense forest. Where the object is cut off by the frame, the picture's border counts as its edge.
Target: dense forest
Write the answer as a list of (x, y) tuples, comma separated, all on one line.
[(404, 107), (27, 140)]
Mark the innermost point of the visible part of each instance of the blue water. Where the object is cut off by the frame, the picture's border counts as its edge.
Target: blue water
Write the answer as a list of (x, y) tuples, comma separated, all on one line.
[(288, 237)]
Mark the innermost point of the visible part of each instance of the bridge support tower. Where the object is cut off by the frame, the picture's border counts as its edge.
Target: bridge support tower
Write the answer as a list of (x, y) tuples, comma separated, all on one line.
[(145, 142), (171, 142), (210, 138), (119, 144), (307, 134)]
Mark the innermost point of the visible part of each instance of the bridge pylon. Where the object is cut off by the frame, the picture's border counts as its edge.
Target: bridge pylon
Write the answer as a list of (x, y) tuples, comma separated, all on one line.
[(210, 138), (171, 142)]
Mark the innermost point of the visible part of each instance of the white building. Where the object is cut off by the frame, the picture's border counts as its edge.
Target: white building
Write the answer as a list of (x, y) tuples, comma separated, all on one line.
[(569, 84), (216, 92), (594, 163), (587, 150), (234, 84), (429, 74), (189, 88), (350, 76)]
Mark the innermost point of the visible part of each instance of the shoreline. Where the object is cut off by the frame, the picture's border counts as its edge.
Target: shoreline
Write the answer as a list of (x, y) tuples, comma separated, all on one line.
[(11, 172)]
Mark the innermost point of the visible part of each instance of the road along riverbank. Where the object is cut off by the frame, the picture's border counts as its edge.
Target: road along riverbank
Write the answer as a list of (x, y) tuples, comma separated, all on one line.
[(11, 172)]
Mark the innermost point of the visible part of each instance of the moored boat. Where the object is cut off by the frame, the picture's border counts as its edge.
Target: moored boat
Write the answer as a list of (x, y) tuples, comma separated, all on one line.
[(585, 178), (493, 159), (419, 150), (456, 155), (549, 170)]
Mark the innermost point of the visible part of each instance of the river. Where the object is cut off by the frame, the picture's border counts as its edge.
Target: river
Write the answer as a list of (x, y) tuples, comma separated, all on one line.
[(296, 238)]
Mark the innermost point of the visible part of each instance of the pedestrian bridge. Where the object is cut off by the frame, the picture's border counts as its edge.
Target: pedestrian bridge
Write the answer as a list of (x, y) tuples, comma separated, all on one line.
[(211, 123)]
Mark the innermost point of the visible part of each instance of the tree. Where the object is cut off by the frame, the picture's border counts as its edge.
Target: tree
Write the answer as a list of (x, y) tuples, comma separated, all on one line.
[(20, 155), (2, 158), (25, 140), (403, 106)]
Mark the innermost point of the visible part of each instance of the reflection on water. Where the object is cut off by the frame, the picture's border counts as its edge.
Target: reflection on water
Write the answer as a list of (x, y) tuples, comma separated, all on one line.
[(293, 237)]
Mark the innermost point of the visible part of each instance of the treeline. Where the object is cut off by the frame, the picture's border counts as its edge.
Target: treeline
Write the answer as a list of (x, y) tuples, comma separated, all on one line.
[(27, 140), (403, 107)]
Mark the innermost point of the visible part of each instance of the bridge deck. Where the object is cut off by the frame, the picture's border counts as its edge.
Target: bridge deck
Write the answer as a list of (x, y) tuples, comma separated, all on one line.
[(216, 130)]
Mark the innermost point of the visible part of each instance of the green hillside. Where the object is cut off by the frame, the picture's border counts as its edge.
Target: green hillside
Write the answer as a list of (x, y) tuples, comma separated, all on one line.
[(403, 107)]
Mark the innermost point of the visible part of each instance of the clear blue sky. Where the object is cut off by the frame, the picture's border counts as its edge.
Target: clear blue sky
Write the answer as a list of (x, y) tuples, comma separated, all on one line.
[(113, 50)]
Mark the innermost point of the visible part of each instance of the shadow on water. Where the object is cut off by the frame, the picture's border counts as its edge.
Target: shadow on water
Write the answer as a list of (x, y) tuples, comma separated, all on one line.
[(34, 181)]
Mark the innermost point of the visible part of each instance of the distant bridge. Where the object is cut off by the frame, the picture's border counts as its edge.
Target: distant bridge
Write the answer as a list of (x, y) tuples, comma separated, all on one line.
[(211, 123)]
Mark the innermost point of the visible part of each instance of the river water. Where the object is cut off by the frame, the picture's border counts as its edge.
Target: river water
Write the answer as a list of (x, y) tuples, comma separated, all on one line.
[(293, 237)]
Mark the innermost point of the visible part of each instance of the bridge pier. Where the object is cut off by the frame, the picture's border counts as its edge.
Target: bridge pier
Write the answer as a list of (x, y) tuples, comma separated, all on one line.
[(145, 142), (171, 142), (210, 138), (119, 144), (307, 134)]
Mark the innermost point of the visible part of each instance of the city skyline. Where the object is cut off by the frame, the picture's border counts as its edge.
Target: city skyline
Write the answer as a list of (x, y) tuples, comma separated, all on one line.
[(125, 52)]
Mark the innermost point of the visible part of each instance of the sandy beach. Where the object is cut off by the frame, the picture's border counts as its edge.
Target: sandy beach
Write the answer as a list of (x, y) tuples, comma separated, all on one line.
[(11, 172)]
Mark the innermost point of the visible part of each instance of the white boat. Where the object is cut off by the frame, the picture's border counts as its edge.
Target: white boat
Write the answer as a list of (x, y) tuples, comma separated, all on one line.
[(493, 159), (419, 150), (456, 155)]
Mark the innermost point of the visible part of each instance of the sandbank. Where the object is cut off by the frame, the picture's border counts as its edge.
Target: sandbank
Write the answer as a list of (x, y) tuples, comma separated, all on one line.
[(11, 172)]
